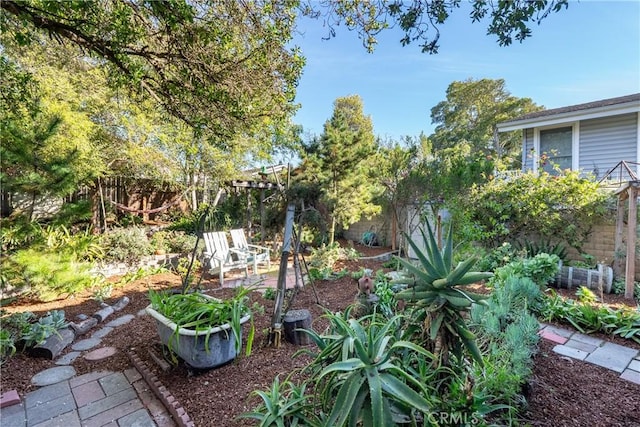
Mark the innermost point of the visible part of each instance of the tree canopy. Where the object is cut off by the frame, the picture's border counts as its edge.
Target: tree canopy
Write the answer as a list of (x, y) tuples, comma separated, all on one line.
[(418, 20), (224, 68)]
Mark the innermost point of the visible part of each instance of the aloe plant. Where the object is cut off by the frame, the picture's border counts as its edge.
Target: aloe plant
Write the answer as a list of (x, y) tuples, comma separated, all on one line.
[(285, 404), (434, 291), (362, 373)]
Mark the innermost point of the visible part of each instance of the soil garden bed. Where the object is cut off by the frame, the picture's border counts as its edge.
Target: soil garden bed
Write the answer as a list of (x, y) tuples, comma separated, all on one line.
[(562, 392)]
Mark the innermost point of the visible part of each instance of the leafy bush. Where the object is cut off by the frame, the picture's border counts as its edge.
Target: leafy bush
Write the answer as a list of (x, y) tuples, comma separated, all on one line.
[(541, 269), (587, 317), (177, 242), (126, 245), (19, 233), (25, 328), (47, 274), (499, 257), (325, 257), (618, 287), (533, 248), (558, 208)]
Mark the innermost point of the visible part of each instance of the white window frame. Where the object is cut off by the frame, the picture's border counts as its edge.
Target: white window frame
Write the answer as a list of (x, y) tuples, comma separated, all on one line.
[(575, 138)]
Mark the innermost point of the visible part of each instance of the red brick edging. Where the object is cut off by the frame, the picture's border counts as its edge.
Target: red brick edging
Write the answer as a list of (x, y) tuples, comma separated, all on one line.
[(179, 414)]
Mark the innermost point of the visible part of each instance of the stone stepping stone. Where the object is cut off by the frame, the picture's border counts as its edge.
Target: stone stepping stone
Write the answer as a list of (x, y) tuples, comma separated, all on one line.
[(68, 358), (53, 375), (612, 356), (122, 320), (101, 333), (101, 353), (85, 344)]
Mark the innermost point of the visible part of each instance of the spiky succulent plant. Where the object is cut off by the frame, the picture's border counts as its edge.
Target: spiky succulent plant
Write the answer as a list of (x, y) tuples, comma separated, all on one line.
[(434, 292)]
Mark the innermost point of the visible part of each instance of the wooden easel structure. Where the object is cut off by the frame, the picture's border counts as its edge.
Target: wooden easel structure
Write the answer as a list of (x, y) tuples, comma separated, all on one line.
[(629, 190)]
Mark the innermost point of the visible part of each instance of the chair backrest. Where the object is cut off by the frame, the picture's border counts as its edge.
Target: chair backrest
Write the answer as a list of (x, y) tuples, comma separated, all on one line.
[(217, 244), (239, 239)]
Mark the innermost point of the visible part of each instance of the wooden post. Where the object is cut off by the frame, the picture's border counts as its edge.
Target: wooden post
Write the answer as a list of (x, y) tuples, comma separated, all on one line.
[(617, 251), (262, 216), (276, 319), (632, 191)]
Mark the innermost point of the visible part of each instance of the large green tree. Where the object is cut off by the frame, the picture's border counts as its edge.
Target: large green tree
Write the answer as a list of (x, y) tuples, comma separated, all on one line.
[(469, 117), (223, 67), (341, 161)]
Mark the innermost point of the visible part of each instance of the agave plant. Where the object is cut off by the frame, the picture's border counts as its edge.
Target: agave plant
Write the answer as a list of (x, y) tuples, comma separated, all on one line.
[(434, 291), (285, 404), (363, 373)]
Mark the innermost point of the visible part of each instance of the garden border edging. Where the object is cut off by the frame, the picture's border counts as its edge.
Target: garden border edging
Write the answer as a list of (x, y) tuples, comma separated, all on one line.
[(174, 407)]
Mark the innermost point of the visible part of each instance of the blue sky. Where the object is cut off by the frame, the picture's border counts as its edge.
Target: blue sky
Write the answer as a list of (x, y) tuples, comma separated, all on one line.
[(587, 52)]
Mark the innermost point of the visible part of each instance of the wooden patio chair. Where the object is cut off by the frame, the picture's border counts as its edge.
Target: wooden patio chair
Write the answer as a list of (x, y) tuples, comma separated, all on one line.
[(255, 254), (220, 257)]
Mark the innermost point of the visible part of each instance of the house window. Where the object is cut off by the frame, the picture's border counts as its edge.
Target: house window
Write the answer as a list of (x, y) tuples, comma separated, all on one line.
[(555, 149)]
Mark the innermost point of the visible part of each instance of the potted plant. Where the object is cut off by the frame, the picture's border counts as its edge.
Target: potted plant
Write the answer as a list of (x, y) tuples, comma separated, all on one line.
[(205, 332)]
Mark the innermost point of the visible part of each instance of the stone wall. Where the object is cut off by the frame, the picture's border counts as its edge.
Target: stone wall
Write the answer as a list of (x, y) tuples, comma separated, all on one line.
[(121, 268), (376, 224), (601, 245)]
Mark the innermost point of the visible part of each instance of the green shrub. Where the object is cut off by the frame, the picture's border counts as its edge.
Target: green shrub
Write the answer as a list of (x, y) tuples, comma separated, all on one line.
[(541, 269), (126, 245), (618, 287), (47, 274), (507, 335), (557, 208), (587, 317), (177, 242)]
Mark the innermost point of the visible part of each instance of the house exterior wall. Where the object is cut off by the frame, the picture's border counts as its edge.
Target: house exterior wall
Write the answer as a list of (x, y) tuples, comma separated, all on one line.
[(604, 142), (527, 158), (601, 143)]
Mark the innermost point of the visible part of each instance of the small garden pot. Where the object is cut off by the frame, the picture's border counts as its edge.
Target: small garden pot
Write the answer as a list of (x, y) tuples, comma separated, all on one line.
[(202, 349)]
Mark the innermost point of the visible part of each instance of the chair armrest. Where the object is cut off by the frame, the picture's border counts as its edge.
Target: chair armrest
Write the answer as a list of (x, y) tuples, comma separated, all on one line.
[(260, 248)]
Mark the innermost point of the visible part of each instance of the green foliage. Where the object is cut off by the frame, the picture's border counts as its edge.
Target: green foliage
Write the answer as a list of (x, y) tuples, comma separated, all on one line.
[(541, 269), (285, 404), (618, 287), (126, 245), (499, 257), (532, 248), (360, 373), (251, 43), (30, 332), (338, 163), (47, 274), (102, 292), (532, 206), (588, 317), (200, 313), (386, 296), (419, 21), (469, 115), (19, 233), (7, 345), (325, 257), (183, 268), (507, 335), (46, 326), (434, 291), (270, 294), (586, 295)]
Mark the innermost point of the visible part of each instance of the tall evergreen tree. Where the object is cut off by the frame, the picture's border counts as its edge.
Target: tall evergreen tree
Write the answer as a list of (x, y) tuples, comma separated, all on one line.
[(341, 162)]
